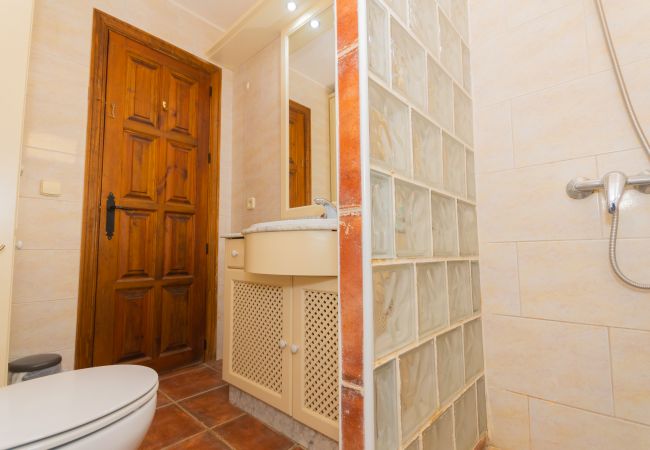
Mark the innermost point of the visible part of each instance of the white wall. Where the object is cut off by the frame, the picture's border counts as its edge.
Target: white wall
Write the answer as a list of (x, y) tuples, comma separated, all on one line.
[(15, 31)]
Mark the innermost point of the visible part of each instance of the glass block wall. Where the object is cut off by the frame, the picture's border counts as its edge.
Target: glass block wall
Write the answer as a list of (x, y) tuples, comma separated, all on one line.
[(429, 385)]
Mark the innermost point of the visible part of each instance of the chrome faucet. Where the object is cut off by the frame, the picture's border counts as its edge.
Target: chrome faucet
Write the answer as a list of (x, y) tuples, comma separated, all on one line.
[(330, 209)]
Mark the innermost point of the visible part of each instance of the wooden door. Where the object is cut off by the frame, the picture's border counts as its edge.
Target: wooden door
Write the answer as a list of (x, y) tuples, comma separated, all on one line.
[(151, 282), (299, 155)]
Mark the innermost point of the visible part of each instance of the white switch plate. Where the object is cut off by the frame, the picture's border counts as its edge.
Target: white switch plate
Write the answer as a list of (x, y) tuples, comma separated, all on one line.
[(50, 188), (250, 203)]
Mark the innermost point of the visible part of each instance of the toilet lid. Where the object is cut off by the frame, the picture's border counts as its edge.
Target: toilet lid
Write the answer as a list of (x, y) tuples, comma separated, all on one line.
[(43, 407)]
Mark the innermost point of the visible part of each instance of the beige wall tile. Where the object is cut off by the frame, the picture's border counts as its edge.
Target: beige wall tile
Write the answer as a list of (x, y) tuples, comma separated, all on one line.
[(508, 419), (561, 362), (572, 281), (494, 147), (486, 19), (521, 12), (558, 427), (553, 47), (65, 168), (57, 272), (63, 219), (631, 374), (500, 278), (580, 118), (554, 215), (42, 327), (627, 21)]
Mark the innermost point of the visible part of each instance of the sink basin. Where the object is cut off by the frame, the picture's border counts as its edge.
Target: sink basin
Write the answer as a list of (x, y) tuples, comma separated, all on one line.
[(306, 247)]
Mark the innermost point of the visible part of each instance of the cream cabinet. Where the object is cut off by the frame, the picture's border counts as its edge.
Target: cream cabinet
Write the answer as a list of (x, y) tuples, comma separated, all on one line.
[(281, 344)]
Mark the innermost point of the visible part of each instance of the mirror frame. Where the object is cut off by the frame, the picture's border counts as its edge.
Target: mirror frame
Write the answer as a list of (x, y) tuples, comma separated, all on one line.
[(310, 210)]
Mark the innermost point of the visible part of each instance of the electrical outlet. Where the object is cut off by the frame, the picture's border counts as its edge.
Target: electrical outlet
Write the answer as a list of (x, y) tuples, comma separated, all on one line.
[(250, 203)]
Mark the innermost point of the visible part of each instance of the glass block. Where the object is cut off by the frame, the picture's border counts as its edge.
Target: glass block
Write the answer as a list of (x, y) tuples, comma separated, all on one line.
[(450, 52), (417, 388), (423, 16), (463, 118), (441, 95), (398, 7), (467, 68), (459, 17), (382, 215), (427, 151), (415, 445), (412, 220), (443, 223), (473, 342), (451, 369), (476, 287), (433, 307), (389, 130), (481, 402), (386, 431), (471, 177), (408, 65), (466, 420), (394, 307), (377, 40), (467, 229), (460, 290), (440, 435), (454, 165)]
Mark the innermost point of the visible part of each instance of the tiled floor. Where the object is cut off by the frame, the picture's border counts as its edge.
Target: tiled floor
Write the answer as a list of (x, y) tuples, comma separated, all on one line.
[(193, 412)]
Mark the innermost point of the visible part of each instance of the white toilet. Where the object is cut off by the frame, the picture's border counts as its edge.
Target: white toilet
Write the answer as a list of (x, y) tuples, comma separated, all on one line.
[(109, 407)]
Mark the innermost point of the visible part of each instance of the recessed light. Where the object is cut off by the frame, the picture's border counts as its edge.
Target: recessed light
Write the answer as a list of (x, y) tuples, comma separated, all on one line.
[(291, 6), (314, 23)]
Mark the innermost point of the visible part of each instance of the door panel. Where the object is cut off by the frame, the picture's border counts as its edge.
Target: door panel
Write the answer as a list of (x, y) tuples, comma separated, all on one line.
[(139, 166), (299, 155), (151, 285)]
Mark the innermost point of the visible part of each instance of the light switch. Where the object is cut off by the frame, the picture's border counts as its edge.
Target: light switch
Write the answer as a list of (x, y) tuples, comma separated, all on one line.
[(50, 188), (250, 203)]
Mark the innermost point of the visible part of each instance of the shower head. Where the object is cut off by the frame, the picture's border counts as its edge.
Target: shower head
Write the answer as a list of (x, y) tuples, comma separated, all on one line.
[(614, 183)]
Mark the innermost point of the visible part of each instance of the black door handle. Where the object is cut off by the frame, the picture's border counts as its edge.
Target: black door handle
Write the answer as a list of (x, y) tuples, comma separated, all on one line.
[(110, 214)]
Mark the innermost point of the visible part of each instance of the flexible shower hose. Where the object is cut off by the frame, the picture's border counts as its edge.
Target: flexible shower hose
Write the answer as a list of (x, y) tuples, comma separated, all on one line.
[(639, 132)]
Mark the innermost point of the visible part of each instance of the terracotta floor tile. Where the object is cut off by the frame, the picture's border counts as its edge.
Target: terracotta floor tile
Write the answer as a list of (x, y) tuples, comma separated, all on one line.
[(212, 408), (190, 383), (247, 433), (170, 425), (203, 441), (162, 399), (173, 373), (216, 365)]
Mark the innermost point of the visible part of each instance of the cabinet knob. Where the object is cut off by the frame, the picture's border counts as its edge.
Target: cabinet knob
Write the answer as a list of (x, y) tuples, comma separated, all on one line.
[(294, 348), (234, 253), (282, 344)]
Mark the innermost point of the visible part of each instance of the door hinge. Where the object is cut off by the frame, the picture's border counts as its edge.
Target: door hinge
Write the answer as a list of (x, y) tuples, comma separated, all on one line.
[(209, 158), (210, 91), (206, 249)]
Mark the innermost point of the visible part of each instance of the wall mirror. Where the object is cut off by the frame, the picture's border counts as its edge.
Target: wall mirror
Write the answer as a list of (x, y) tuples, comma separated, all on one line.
[(308, 95)]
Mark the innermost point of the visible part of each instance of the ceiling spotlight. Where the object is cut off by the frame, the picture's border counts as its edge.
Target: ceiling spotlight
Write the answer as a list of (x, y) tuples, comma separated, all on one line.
[(314, 23), (291, 6)]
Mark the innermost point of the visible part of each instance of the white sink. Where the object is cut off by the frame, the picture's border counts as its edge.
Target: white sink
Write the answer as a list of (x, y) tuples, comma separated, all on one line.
[(304, 247)]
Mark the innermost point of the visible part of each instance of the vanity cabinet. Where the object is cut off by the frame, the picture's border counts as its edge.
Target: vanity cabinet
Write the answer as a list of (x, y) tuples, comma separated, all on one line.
[(281, 344)]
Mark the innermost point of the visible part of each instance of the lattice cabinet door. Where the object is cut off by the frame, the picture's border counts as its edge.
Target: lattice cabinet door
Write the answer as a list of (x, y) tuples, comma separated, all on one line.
[(257, 332), (315, 353)]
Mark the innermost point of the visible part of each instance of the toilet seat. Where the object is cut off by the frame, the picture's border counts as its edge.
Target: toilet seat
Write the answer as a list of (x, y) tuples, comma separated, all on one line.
[(58, 409)]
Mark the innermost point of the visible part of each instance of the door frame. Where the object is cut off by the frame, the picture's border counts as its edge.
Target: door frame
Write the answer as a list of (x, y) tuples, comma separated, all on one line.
[(91, 226)]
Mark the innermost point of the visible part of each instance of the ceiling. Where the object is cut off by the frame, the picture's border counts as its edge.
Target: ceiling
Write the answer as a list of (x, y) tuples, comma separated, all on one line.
[(317, 59), (220, 13)]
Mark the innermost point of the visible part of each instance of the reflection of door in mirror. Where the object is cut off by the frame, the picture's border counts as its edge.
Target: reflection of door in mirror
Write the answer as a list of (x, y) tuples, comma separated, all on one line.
[(299, 155)]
